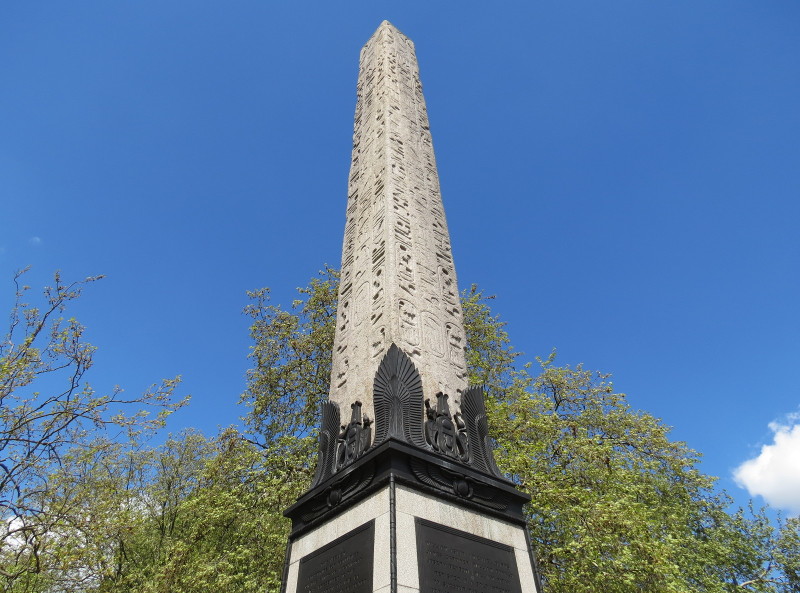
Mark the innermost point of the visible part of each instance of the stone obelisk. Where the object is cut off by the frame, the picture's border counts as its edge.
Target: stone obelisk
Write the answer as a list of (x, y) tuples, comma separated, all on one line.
[(406, 496), (398, 282)]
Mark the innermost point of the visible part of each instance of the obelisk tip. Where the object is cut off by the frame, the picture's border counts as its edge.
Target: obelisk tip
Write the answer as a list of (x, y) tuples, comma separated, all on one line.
[(386, 25)]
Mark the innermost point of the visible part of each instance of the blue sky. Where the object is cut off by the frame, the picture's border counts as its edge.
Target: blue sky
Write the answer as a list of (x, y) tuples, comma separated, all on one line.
[(622, 175)]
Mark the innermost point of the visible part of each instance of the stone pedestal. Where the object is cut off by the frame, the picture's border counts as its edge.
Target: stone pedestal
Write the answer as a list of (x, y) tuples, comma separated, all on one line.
[(379, 527)]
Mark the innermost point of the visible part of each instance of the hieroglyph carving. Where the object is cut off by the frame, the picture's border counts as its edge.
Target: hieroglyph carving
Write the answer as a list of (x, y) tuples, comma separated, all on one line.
[(446, 433), (398, 282), (354, 439)]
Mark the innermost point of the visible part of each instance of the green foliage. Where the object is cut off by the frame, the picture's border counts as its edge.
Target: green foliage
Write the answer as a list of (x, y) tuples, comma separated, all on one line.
[(617, 505), (49, 415), (787, 554), (291, 356), (219, 524)]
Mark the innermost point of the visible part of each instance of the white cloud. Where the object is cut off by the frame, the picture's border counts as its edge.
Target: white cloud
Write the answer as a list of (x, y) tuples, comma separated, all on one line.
[(775, 472), (35, 240), (12, 534)]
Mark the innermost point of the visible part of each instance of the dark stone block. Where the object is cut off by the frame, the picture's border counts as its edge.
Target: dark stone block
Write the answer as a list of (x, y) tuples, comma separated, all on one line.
[(451, 560), (342, 566), (420, 469)]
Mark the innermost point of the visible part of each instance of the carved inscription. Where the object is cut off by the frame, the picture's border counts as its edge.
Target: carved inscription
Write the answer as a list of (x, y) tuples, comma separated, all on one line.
[(343, 566), (455, 561), (398, 281)]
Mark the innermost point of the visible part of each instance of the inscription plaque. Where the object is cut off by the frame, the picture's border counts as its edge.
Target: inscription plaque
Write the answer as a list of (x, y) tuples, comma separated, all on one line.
[(342, 566), (451, 560)]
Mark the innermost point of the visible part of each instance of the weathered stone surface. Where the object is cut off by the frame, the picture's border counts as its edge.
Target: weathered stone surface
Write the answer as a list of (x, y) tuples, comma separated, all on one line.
[(398, 281)]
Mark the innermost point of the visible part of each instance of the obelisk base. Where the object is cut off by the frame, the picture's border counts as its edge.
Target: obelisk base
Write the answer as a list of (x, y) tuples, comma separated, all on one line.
[(398, 536)]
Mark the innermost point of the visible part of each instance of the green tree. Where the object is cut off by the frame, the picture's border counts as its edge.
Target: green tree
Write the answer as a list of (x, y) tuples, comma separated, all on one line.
[(49, 415), (787, 555), (213, 520), (188, 516), (617, 505), (291, 356)]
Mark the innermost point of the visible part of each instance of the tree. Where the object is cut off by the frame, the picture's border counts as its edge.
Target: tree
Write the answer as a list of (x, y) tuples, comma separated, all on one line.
[(48, 415), (289, 380), (229, 531), (207, 516), (787, 554), (291, 356), (103, 511), (617, 505)]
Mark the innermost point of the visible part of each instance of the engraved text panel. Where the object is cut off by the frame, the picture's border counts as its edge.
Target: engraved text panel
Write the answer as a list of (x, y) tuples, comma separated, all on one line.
[(451, 560), (343, 566)]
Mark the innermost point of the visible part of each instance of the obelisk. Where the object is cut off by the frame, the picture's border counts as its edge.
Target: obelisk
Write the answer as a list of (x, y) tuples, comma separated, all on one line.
[(398, 282), (406, 496)]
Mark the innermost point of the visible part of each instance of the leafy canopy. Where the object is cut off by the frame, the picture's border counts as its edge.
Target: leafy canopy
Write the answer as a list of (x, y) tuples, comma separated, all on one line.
[(617, 505)]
